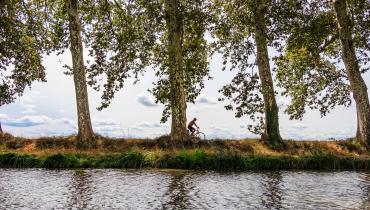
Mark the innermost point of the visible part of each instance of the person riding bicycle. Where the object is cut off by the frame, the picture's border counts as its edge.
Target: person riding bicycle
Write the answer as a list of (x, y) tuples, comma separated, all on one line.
[(191, 124)]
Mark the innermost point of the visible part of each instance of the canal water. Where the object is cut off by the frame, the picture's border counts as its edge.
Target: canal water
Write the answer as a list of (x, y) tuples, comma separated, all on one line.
[(176, 189)]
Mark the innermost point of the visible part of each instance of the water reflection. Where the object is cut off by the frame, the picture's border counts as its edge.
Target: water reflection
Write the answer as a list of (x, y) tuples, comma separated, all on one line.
[(272, 192), (365, 186), (151, 189), (177, 193), (80, 190)]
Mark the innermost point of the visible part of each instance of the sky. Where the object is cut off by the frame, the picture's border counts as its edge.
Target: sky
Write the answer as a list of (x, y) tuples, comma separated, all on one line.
[(49, 109)]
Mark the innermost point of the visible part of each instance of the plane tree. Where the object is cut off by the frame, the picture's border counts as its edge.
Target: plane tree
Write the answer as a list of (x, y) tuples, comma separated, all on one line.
[(167, 36), (244, 30), (326, 35), (63, 20)]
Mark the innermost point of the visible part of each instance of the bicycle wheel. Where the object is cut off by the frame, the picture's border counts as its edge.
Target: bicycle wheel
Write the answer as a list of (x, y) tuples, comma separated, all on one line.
[(201, 136)]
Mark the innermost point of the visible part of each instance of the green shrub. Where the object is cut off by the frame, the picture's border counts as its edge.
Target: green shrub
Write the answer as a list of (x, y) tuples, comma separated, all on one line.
[(10, 160), (61, 161), (88, 162), (130, 160), (126, 160), (198, 160)]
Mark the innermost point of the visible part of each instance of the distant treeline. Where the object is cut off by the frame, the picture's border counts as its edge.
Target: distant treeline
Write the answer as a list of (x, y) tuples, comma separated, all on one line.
[(322, 50)]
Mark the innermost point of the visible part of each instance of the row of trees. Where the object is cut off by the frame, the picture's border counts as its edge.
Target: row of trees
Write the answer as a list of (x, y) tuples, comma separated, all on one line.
[(312, 38)]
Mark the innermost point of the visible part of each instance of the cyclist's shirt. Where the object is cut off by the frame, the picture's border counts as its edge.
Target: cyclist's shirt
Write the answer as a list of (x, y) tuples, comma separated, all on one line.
[(191, 123)]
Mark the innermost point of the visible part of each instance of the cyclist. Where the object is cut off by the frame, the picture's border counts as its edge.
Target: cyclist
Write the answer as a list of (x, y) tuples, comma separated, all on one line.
[(191, 124)]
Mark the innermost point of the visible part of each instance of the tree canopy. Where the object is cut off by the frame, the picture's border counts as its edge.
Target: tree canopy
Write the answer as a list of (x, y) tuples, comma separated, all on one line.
[(24, 40), (130, 37), (321, 48)]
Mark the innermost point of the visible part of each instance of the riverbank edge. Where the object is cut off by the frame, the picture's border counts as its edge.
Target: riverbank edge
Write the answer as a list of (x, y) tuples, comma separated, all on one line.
[(190, 160)]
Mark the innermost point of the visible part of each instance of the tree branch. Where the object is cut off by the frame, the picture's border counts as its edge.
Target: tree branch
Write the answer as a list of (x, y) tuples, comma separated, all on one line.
[(118, 6), (328, 42)]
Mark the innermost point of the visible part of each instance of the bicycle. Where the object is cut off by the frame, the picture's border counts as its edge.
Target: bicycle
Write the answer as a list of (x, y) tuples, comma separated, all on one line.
[(198, 135)]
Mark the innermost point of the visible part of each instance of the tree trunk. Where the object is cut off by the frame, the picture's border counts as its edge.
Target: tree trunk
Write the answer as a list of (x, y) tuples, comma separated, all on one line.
[(1, 130), (358, 133), (272, 133), (358, 85), (176, 70), (85, 132)]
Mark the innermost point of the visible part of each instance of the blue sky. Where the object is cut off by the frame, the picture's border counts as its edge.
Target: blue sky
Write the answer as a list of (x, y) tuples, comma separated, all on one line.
[(48, 109)]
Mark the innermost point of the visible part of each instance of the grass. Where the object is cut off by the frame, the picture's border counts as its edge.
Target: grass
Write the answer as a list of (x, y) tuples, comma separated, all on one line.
[(248, 154), (184, 160)]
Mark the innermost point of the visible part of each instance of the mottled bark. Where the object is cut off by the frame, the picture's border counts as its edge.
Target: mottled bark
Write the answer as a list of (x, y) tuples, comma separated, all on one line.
[(1, 130), (358, 85), (176, 72), (85, 132), (271, 133), (358, 134)]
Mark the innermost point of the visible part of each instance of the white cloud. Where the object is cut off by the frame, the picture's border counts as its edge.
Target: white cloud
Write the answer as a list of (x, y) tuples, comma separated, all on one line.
[(218, 132), (151, 125), (208, 100), (137, 129), (340, 134), (146, 100), (104, 122), (47, 132), (108, 127), (289, 133), (35, 120), (28, 102), (3, 116), (26, 99), (293, 133), (28, 121), (29, 109), (299, 126), (66, 121)]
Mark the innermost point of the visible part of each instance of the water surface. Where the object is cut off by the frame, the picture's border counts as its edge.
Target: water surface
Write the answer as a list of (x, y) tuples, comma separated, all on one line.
[(172, 189)]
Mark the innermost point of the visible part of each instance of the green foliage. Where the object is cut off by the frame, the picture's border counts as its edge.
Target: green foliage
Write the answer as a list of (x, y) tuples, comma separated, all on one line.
[(129, 160), (198, 160), (10, 160), (194, 19), (128, 38), (121, 39), (126, 160), (24, 38), (310, 69), (310, 82), (235, 24), (233, 29), (359, 11), (61, 161)]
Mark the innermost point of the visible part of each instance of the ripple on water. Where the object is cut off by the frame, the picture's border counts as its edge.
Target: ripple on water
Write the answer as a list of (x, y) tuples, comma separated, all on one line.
[(171, 189)]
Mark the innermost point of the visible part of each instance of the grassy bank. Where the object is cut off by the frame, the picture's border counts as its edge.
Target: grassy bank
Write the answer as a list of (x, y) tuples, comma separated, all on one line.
[(246, 154), (184, 160)]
